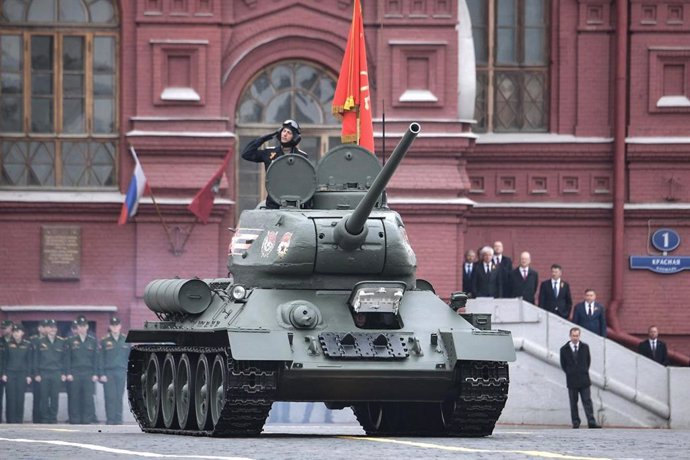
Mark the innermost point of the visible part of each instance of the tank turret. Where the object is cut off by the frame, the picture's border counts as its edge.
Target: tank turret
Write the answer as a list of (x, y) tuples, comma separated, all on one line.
[(330, 229)]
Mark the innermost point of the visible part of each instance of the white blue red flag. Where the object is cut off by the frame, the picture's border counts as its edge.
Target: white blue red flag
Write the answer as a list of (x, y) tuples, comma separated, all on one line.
[(137, 187)]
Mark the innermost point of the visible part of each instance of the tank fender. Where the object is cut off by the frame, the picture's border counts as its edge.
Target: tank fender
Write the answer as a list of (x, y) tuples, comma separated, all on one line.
[(478, 345), (260, 345)]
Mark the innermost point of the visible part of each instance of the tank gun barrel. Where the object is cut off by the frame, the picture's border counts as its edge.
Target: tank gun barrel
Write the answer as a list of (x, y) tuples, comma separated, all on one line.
[(356, 221)]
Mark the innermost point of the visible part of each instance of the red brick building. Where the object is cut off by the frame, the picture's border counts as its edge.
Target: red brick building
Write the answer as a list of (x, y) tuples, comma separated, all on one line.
[(579, 152)]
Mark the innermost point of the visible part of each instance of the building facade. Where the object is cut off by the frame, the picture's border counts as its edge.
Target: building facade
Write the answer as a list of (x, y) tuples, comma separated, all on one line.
[(557, 127)]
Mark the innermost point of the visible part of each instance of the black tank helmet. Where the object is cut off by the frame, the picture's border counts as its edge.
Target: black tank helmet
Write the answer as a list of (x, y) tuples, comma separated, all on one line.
[(293, 126)]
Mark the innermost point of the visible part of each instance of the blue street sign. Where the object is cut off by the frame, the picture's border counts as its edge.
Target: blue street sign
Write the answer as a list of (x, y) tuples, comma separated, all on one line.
[(666, 265), (665, 240)]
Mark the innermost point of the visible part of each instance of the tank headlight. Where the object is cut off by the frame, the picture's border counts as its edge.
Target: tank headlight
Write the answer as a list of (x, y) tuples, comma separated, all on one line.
[(377, 296), (238, 292)]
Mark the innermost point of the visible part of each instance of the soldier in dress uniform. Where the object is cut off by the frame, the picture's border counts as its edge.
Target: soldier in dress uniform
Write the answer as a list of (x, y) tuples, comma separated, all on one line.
[(81, 367), (17, 373), (49, 359), (114, 356), (36, 385), (5, 337)]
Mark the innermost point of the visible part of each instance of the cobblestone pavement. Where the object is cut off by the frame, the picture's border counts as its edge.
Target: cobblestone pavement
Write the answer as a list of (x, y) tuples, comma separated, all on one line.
[(346, 441)]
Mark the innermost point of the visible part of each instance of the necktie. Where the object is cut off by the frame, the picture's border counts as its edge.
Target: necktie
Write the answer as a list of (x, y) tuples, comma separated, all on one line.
[(555, 289), (524, 274), (653, 346), (589, 309), (486, 268), (467, 269)]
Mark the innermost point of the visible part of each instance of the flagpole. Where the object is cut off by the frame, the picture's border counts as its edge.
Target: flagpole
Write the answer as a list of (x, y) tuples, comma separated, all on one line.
[(160, 216)]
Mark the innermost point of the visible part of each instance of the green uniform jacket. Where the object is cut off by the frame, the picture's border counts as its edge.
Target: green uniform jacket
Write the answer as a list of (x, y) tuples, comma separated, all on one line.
[(114, 353), (18, 358), (81, 357), (50, 356)]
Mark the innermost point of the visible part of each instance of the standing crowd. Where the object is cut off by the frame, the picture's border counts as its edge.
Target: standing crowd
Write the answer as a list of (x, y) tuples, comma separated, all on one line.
[(46, 363), (491, 274)]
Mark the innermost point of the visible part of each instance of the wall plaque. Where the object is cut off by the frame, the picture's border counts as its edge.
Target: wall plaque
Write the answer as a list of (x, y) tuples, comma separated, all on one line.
[(60, 252)]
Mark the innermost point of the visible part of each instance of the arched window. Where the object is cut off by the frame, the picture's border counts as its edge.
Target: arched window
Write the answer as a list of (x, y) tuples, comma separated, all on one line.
[(58, 93), (295, 90)]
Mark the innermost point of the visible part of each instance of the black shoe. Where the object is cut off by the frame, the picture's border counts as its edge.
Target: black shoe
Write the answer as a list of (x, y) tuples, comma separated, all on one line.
[(594, 425), (576, 425)]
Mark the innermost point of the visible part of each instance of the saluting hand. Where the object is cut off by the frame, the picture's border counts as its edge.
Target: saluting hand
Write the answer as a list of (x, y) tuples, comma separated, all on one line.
[(37, 378)]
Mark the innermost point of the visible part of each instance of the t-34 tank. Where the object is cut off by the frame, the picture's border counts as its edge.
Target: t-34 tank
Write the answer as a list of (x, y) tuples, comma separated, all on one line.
[(323, 305)]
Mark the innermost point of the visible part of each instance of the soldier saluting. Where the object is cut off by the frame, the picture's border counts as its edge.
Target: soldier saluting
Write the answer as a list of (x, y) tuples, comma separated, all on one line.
[(114, 357), (288, 137)]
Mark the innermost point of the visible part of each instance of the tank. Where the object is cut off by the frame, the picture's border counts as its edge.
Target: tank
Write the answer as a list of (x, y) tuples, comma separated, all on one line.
[(322, 305)]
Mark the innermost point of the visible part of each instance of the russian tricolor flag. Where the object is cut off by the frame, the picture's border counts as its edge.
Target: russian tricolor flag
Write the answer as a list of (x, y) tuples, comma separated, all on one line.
[(137, 187)]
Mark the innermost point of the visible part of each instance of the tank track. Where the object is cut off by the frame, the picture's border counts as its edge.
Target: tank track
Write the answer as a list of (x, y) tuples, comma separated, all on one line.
[(249, 392), (481, 399), (472, 410)]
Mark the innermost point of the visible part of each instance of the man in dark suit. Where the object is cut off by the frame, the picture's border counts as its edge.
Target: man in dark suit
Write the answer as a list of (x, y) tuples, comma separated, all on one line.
[(653, 348), (590, 314), (505, 267), (575, 361), (467, 268), (486, 280), (524, 280), (554, 294)]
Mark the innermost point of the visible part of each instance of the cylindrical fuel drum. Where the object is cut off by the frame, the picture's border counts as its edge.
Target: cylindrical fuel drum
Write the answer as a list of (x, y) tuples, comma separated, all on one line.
[(177, 296)]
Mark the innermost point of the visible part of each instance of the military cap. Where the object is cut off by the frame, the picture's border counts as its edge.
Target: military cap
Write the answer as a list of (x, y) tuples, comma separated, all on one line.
[(49, 323), (114, 321), (43, 323), (17, 327), (7, 323), (81, 321)]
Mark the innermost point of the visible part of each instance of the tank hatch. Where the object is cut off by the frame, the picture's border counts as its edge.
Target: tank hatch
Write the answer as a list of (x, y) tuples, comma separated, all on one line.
[(343, 176), (291, 181)]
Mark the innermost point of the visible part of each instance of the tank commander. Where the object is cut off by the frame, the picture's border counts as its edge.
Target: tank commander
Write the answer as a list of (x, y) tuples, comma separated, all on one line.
[(288, 136)]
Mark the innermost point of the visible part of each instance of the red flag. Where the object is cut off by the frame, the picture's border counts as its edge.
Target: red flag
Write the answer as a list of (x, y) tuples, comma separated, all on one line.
[(351, 100), (202, 204)]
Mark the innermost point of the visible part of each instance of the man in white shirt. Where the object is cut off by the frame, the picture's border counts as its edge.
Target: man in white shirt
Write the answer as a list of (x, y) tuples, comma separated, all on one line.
[(505, 267), (524, 280), (467, 269), (590, 314), (653, 348), (575, 361)]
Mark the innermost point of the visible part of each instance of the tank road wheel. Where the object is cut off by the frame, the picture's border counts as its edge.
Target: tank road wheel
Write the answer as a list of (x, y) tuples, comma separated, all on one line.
[(168, 380), (184, 390), (152, 396), (377, 418), (217, 399), (201, 393)]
